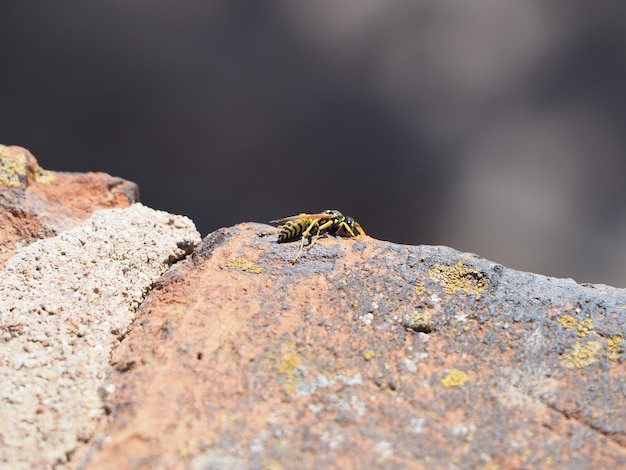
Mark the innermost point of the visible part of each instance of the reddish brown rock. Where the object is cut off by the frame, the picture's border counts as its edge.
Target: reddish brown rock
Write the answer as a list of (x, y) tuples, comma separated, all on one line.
[(35, 203), (360, 355)]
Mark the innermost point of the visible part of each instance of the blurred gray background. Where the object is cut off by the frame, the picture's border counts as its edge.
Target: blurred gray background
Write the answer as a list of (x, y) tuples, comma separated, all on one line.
[(490, 126)]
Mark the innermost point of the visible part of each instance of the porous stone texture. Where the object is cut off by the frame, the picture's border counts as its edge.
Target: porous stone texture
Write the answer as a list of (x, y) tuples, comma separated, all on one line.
[(363, 354), (65, 304), (36, 203)]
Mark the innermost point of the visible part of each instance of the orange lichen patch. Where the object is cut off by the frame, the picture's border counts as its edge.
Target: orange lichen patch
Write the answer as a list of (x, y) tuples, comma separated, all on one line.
[(614, 345), (244, 265), (583, 355), (454, 378), (459, 278)]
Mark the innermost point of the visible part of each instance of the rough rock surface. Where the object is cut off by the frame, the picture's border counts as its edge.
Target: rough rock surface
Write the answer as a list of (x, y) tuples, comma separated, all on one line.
[(35, 203), (65, 303), (364, 354)]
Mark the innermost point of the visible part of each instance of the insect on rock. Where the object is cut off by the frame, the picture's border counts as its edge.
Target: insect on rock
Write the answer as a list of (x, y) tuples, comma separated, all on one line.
[(312, 226)]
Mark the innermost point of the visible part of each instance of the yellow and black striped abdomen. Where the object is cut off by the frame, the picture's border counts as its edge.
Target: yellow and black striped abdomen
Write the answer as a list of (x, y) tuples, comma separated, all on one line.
[(293, 230)]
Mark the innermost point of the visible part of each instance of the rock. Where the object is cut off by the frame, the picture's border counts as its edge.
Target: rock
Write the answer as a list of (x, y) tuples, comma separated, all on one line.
[(65, 304), (35, 203), (363, 354)]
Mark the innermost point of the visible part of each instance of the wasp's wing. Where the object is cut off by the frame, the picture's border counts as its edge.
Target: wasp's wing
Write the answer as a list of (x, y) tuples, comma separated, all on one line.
[(302, 216)]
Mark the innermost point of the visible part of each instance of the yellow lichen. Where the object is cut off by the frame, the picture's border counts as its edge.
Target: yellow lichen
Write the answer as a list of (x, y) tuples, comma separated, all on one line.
[(15, 167), (454, 378), (223, 418), (459, 278), (567, 321), (368, 354), (614, 345), (420, 288), (288, 368), (583, 356), (585, 327), (271, 465), (490, 466), (13, 170), (419, 321), (244, 265), (43, 176)]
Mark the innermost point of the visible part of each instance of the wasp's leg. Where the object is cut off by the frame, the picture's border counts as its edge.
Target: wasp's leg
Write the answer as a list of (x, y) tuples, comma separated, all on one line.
[(320, 231), (361, 233), (350, 233), (299, 251), (305, 235), (347, 229)]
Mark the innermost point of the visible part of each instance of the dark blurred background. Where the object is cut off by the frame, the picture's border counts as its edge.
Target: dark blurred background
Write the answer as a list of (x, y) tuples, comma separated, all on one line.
[(490, 126)]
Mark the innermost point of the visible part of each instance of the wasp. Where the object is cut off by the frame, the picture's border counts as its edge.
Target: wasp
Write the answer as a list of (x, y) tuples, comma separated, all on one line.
[(312, 226)]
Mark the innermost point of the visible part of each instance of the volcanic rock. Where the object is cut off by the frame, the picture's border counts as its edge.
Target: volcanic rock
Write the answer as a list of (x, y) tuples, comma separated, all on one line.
[(36, 203), (363, 354), (65, 304)]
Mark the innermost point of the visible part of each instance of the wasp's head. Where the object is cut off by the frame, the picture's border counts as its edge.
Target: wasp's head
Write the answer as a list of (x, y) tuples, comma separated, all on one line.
[(354, 226)]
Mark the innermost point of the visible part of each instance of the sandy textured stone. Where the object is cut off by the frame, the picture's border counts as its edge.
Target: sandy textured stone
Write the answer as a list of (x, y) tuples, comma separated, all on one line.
[(65, 303), (35, 203), (364, 355)]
